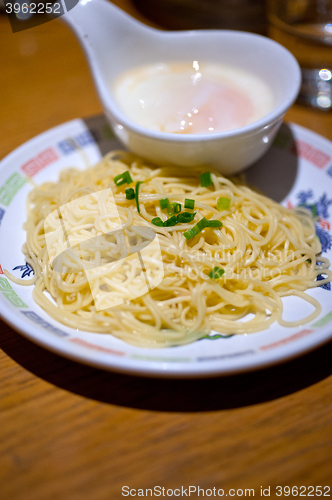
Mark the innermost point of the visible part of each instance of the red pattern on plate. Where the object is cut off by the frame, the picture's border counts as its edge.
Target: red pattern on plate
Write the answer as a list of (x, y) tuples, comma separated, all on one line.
[(84, 343), (40, 161), (316, 156), (325, 224), (298, 335)]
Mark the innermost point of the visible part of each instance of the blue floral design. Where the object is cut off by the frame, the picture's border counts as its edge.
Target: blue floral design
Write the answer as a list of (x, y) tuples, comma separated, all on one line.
[(322, 206), (325, 238), (320, 209), (304, 196), (327, 286), (26, 270)]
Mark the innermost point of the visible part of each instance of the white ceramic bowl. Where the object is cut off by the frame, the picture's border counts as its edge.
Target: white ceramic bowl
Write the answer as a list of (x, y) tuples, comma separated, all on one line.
[(114, 43)]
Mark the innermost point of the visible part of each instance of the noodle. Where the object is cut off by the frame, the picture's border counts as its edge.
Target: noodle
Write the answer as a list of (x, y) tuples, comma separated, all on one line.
[(263, 250)]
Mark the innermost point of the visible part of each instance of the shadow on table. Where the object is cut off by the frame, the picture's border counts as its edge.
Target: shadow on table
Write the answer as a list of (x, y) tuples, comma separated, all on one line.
[(168, 395)]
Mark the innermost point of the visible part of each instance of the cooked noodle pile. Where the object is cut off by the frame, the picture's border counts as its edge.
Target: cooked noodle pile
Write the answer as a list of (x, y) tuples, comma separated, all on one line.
[(229, 278)]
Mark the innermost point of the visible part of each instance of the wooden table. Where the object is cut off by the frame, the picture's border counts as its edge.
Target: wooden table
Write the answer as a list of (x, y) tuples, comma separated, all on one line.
[(72, 432)]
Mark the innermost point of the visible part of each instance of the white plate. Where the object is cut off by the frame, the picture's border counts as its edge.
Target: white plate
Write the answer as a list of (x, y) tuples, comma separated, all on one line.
[(298, 168)]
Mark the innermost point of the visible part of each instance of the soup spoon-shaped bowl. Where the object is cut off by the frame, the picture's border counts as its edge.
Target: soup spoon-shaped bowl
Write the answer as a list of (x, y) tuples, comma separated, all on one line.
[(115, 43)]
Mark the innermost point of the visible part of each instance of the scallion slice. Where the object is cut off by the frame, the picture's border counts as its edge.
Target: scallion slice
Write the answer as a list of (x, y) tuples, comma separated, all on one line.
[(176, 207), (172, 221), (186, 217), (213, 223), (191, 233), (205, 179), (164, 202), (216, 273), (223, 203), (157, 222), (123, 178), (173, 208), (130, 193), (196, 229), (201, 224), (136, 195), (190, 204)]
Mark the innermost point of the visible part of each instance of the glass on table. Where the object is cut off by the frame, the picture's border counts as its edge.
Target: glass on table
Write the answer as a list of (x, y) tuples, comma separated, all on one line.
[(305, 28)]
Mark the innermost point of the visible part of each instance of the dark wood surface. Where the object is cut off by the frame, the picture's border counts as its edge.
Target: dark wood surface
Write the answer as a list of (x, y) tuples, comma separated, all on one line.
[(68, 431)]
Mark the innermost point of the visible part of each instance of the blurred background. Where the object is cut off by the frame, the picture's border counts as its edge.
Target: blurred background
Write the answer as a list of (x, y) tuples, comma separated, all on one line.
[(246, 15), (302, 26)]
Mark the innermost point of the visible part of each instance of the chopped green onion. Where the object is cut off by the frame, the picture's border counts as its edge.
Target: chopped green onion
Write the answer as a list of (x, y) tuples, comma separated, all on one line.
[(196, 229), (173, 208), (189, 204), (216, 273), (186, 217), (123, 178), (136, 195), (191, 233), (176, 207), (130, 193), (164, 202), (223, 203), (205, 179), (157, 221), (202, 224), (172, 221), (213, 223)]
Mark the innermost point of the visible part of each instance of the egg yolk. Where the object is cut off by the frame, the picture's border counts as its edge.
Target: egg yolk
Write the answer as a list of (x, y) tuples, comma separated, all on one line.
[(203, 108)]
